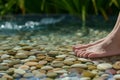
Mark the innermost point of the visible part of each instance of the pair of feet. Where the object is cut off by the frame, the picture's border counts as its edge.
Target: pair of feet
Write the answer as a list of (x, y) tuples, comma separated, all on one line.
[(103, 48)]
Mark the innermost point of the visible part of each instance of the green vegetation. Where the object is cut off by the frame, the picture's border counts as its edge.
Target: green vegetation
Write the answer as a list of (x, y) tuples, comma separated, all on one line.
[(74, 7)]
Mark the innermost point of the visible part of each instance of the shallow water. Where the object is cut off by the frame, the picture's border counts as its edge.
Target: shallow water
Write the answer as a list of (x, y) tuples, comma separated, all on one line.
[(27, 34)]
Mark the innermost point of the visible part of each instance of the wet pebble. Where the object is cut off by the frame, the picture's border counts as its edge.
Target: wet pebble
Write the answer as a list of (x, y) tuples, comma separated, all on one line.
[(31, 63), (104, 66), (28, 75), (4, 67), (79, 66), (51, 74), (47, 67), (4, 56), (117, 76), (19, 71), (116, 65)]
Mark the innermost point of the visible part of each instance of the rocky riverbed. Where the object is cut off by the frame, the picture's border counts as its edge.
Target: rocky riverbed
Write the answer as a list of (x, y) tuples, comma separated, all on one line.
[(50, 57)]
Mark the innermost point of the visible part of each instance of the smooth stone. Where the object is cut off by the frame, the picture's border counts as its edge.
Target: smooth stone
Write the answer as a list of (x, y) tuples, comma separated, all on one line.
[(88, 74), (116, 65), (92, 67), (4, 56), (43, 62), (4, 67), (32, 57), (16, 75), (105, 75), (33, 68), (40, 75), (53, 53), (99, 78), (85, 78), (111, 71), (48, 79), (3, 78), (7, 77), (24, 67), (49, 59), (117, 76), (70, 59), (60, 71), (31, 63), (57, 64), (61, 56), (22, 79), (7, 61), (51, 74), (28, 75), (118, 72), (19, 71), (14, 62), (21, 56), (68, 62), (104, 66), (28, 48), (65, 78), (66, 67), (47, 67), (79, 66), (83, 60), (17, 48), (10, 71)]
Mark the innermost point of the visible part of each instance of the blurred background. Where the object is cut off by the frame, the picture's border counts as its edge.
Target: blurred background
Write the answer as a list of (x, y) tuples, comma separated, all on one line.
[(80, 8)]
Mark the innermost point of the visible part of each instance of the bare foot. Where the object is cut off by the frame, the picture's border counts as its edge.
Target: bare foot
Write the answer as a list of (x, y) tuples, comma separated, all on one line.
[(82, 46), (109, 47)]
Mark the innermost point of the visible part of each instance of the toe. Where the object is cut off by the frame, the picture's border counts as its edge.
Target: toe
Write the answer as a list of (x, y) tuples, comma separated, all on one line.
[(79, 52), (82, 53), (76, 47), (94, 55), (85, 55)]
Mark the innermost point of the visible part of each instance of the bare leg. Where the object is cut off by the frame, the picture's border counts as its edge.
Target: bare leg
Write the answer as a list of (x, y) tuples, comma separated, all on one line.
[(108, 47), (80, 46)]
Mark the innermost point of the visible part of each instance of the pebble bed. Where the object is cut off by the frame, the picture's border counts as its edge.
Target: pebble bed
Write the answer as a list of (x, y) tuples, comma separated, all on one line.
[(50, 57)]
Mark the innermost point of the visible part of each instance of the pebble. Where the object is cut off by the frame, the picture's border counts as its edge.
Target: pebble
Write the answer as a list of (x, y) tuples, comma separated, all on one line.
[(7, 77), (31, 63), (104, 66), (117, 76), (32, 57), (92, 67), (88, 74), (61, 56), (4, 67), (111, 71), (47, 67), (67, 62), (19, 71), (70, 59), (51, 74), (83, 60), (57, 64), (79, 66), (85, 78), (116, 65), (24, 67), (28, 75), (42, 62), (4, 56), (60, 71)]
